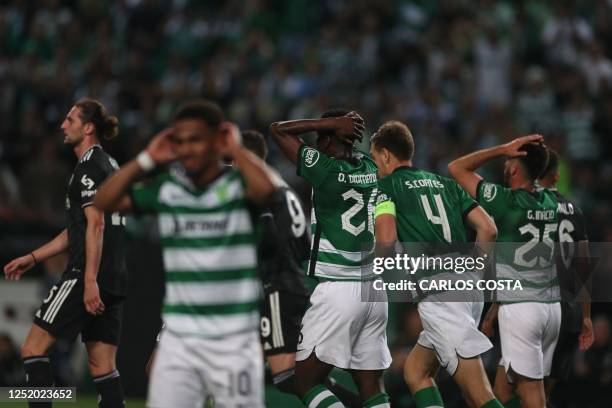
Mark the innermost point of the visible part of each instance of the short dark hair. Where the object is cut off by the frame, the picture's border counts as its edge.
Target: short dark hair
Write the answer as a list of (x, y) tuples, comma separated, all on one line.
[(331, 113), (205, 110), (396, 138), (92, 111), (536, 159), (553, 164), (255, 142)]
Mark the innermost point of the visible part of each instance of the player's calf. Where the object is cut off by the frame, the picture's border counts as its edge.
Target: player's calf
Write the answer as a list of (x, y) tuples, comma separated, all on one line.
[(531, 392), (36, 362)]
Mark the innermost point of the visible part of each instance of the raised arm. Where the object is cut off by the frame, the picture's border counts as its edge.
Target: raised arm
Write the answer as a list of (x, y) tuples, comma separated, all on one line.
[(18, 266), (260, 181), (113, 195), (463, 169), (287, 133)]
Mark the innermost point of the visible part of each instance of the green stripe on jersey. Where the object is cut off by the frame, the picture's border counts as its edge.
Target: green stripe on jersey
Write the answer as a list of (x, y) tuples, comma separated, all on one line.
[(211, 276), (207, 310)]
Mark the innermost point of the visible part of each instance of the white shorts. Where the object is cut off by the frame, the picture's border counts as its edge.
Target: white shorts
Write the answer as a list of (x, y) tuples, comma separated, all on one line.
[(343, 330), (191, 370), (529, 333), (451, 330)]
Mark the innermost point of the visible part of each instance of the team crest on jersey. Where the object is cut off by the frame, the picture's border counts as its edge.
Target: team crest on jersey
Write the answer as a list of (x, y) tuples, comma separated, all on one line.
[(489, 192), (311, 156)]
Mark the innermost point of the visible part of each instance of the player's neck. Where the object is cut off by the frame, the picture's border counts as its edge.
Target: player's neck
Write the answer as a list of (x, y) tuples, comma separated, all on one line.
[(396, 164), (207, 175), (517, 184), (547, 183), (85, 144)]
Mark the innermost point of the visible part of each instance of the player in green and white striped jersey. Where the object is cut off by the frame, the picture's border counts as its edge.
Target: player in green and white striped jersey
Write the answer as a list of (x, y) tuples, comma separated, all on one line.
[(417, 206), (339, 329), (210, 347), (526, 219)]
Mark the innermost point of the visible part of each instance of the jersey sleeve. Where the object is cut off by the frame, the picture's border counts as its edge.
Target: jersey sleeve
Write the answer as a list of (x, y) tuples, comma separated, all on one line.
[(384, 199), (581, 231), (464, 201), (145, 195), (494, 198), (315, 166), (88, 177)]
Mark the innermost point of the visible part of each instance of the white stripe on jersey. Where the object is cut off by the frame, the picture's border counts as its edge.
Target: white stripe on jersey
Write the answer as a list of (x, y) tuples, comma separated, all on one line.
[(214, 259), (203, 293), (212, 325), (326, 246), (334, 271)]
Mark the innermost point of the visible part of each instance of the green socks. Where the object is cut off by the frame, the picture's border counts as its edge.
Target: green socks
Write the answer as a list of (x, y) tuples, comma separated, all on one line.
[(378, 401), (494, 403), (321, 397), (428, 398), (513, 403)]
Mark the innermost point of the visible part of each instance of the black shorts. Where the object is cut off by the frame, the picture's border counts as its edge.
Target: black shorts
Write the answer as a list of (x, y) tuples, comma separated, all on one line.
[(563, 358), (63, 314), (281, 320)]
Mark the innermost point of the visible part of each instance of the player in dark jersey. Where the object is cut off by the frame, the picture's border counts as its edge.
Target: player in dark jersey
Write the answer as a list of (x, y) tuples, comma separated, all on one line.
[(450, 336), (572, 263), (283, 247), (89, 298)]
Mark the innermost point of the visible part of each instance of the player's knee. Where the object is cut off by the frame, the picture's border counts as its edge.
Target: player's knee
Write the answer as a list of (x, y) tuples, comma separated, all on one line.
[(29, 349), (414, 375), (100, 365)]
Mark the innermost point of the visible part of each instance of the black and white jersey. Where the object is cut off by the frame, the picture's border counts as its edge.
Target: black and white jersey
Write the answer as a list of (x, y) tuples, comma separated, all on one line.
[(571, 229), (91, 170), (285, 244)]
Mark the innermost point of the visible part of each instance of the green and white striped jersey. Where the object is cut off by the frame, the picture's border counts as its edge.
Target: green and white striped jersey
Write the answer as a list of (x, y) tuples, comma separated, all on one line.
[(209, 252), (343, 198)]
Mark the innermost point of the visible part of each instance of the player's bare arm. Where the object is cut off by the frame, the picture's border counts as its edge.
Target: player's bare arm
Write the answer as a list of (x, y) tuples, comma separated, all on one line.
[(113, 195), (18, 266), (259, 179), (94, 240), (481, 221), (488, 323), (463, 169), (386, 234), (287, 133)]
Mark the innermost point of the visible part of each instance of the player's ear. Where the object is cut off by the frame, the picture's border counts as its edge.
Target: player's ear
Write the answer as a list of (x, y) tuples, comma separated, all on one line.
[(89, 128)]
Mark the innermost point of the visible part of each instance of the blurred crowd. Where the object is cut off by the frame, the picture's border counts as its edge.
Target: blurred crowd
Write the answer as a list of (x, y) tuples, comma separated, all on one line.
[(463, 74)]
